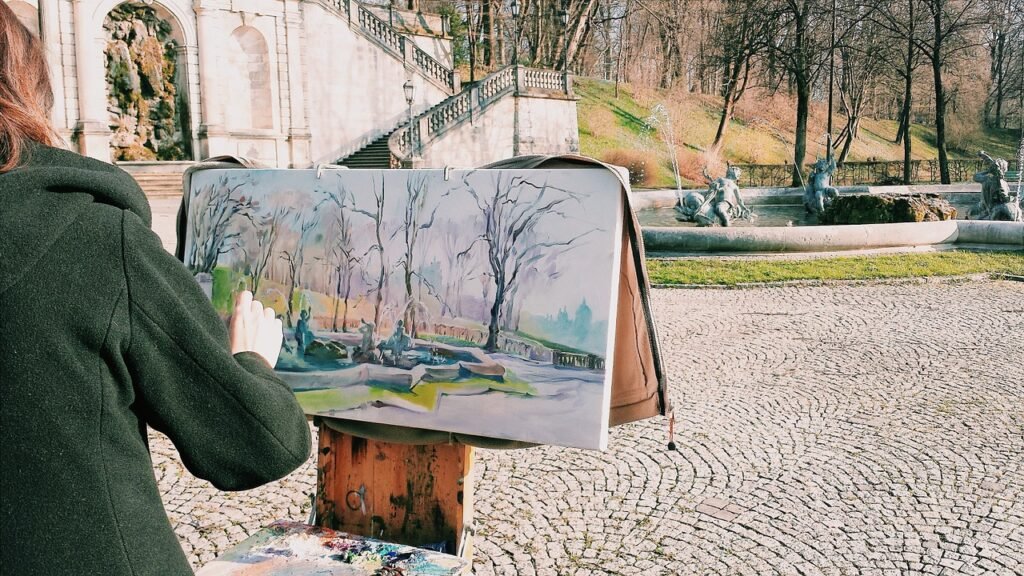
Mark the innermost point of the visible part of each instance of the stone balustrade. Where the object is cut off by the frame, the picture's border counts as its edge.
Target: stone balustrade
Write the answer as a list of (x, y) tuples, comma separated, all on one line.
[(432, 67), (542, 79), (409, 140), (449, 112), (381, 31)]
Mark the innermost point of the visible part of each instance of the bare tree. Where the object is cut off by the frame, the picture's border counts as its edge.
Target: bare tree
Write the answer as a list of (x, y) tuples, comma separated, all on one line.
[(1005, 30), (412, 224), (267, 231), (799, 47), (342, 259), (214, 208), (377, 216), (510, 216), (861, 63), (953, 27), (742, 32), (903, 23), (295, 257)]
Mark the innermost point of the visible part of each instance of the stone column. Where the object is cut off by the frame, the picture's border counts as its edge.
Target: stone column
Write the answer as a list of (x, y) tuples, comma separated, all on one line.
[(92, 131), (50, 33), (213, 135), (299, 137)]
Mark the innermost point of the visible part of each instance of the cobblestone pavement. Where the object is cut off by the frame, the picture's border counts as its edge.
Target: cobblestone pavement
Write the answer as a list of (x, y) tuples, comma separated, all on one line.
[(853, 429)]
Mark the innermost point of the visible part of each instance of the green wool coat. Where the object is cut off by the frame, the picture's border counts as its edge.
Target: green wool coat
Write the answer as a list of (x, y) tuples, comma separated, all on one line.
[(102, 333)]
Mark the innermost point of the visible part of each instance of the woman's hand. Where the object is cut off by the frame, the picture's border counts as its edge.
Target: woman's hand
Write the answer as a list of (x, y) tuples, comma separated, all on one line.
[(254, 328)]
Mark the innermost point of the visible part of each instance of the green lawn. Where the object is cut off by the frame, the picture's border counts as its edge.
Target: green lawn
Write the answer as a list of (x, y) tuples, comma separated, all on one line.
[(734, 271), (423, 398)]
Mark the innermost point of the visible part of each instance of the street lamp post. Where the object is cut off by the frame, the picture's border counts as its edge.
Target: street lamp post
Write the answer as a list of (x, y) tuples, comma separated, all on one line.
[(515, 77), (563, 15), (410, 93), (515, 33)]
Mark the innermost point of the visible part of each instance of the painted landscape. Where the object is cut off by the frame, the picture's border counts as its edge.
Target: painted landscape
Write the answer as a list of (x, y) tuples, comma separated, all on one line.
[(479, 304)]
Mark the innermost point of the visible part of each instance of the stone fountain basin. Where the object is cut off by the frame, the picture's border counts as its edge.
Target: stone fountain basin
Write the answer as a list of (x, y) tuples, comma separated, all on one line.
[(400, 379), (666, 240)]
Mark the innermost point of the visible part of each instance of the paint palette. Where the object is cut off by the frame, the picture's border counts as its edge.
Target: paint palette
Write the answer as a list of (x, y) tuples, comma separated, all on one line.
[(292, 548)]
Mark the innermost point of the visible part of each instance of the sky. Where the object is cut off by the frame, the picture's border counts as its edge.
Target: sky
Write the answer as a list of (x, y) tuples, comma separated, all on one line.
[(593, 218)]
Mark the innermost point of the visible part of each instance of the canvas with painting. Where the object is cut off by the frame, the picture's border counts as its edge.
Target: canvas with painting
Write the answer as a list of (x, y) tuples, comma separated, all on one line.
[(479, 302)]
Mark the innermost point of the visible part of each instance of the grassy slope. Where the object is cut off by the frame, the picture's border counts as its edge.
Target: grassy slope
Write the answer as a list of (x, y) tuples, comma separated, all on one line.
[(733, 271), (760, 132)]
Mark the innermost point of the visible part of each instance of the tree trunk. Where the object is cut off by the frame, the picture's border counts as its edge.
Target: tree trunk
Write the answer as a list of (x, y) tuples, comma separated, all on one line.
[(852, 128), (908, 99), (348, 292), (901, 128), (291, 297), (487, 27), (492, 328), (337, 296), (410, 306), (723, 122), (803, 104), (940, 119)]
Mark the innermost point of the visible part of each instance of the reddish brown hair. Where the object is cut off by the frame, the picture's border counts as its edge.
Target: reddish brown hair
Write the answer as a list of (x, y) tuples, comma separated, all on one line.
[(25, 93)]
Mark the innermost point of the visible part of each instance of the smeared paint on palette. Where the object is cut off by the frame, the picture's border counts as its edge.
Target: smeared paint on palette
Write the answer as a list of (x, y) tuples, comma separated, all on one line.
[(294, 549)]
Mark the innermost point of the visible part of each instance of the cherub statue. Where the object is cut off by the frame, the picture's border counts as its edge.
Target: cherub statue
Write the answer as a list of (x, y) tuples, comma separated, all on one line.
[(398, 342), (365, 352), (722, 203), (996, 201), (303, 333), (819, 192)]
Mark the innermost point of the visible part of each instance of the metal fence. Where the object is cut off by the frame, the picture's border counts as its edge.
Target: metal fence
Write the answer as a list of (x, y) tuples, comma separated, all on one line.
[(866, 173)]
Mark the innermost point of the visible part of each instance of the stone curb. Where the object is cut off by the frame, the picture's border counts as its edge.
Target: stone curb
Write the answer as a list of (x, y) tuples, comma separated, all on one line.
[(958, 279)]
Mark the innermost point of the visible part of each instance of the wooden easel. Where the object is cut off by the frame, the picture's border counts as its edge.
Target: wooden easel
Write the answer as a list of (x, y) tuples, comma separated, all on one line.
[(421, 495)]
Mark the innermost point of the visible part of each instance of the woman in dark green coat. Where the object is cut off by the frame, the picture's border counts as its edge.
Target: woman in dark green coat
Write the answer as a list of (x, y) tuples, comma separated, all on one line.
[(103, 333)]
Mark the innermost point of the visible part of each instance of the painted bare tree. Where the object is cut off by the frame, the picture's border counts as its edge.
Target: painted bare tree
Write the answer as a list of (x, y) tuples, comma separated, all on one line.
[(214, 208), (515, 209), (295, 257), (377, 216), (456, 264), (268, 228), (413, 222), (343, 261)]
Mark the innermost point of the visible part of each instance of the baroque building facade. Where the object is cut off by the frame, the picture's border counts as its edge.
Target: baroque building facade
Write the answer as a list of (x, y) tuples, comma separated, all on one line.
[(289, 83)]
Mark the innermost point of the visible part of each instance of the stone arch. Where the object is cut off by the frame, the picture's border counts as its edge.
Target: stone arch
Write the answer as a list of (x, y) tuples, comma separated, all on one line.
[(179, 13), (147, 83), (27, 14), (250, 74)]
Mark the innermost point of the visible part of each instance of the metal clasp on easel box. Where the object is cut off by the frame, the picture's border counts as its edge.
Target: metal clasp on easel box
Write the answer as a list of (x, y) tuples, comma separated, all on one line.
[(321, 166)]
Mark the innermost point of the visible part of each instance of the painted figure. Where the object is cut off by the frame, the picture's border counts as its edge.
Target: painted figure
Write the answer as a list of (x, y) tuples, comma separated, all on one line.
[(720, 206), (303, 334), (819, 192), (365, 352), (997, 203), (398, 343)]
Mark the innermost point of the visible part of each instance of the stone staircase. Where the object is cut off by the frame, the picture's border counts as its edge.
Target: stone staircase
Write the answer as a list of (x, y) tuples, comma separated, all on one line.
[(376, 154), (157, 179), (411, 139), (362, 20)]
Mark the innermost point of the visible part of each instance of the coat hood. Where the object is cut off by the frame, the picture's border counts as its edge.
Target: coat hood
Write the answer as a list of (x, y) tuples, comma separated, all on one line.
[(45, 194)]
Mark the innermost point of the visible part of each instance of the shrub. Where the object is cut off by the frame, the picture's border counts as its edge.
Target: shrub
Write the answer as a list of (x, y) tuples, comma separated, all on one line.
[(637, 162)]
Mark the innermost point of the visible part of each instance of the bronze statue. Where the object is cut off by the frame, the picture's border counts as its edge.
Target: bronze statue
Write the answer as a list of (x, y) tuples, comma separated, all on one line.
[(997, 203), (720, 206), (819, 192)]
